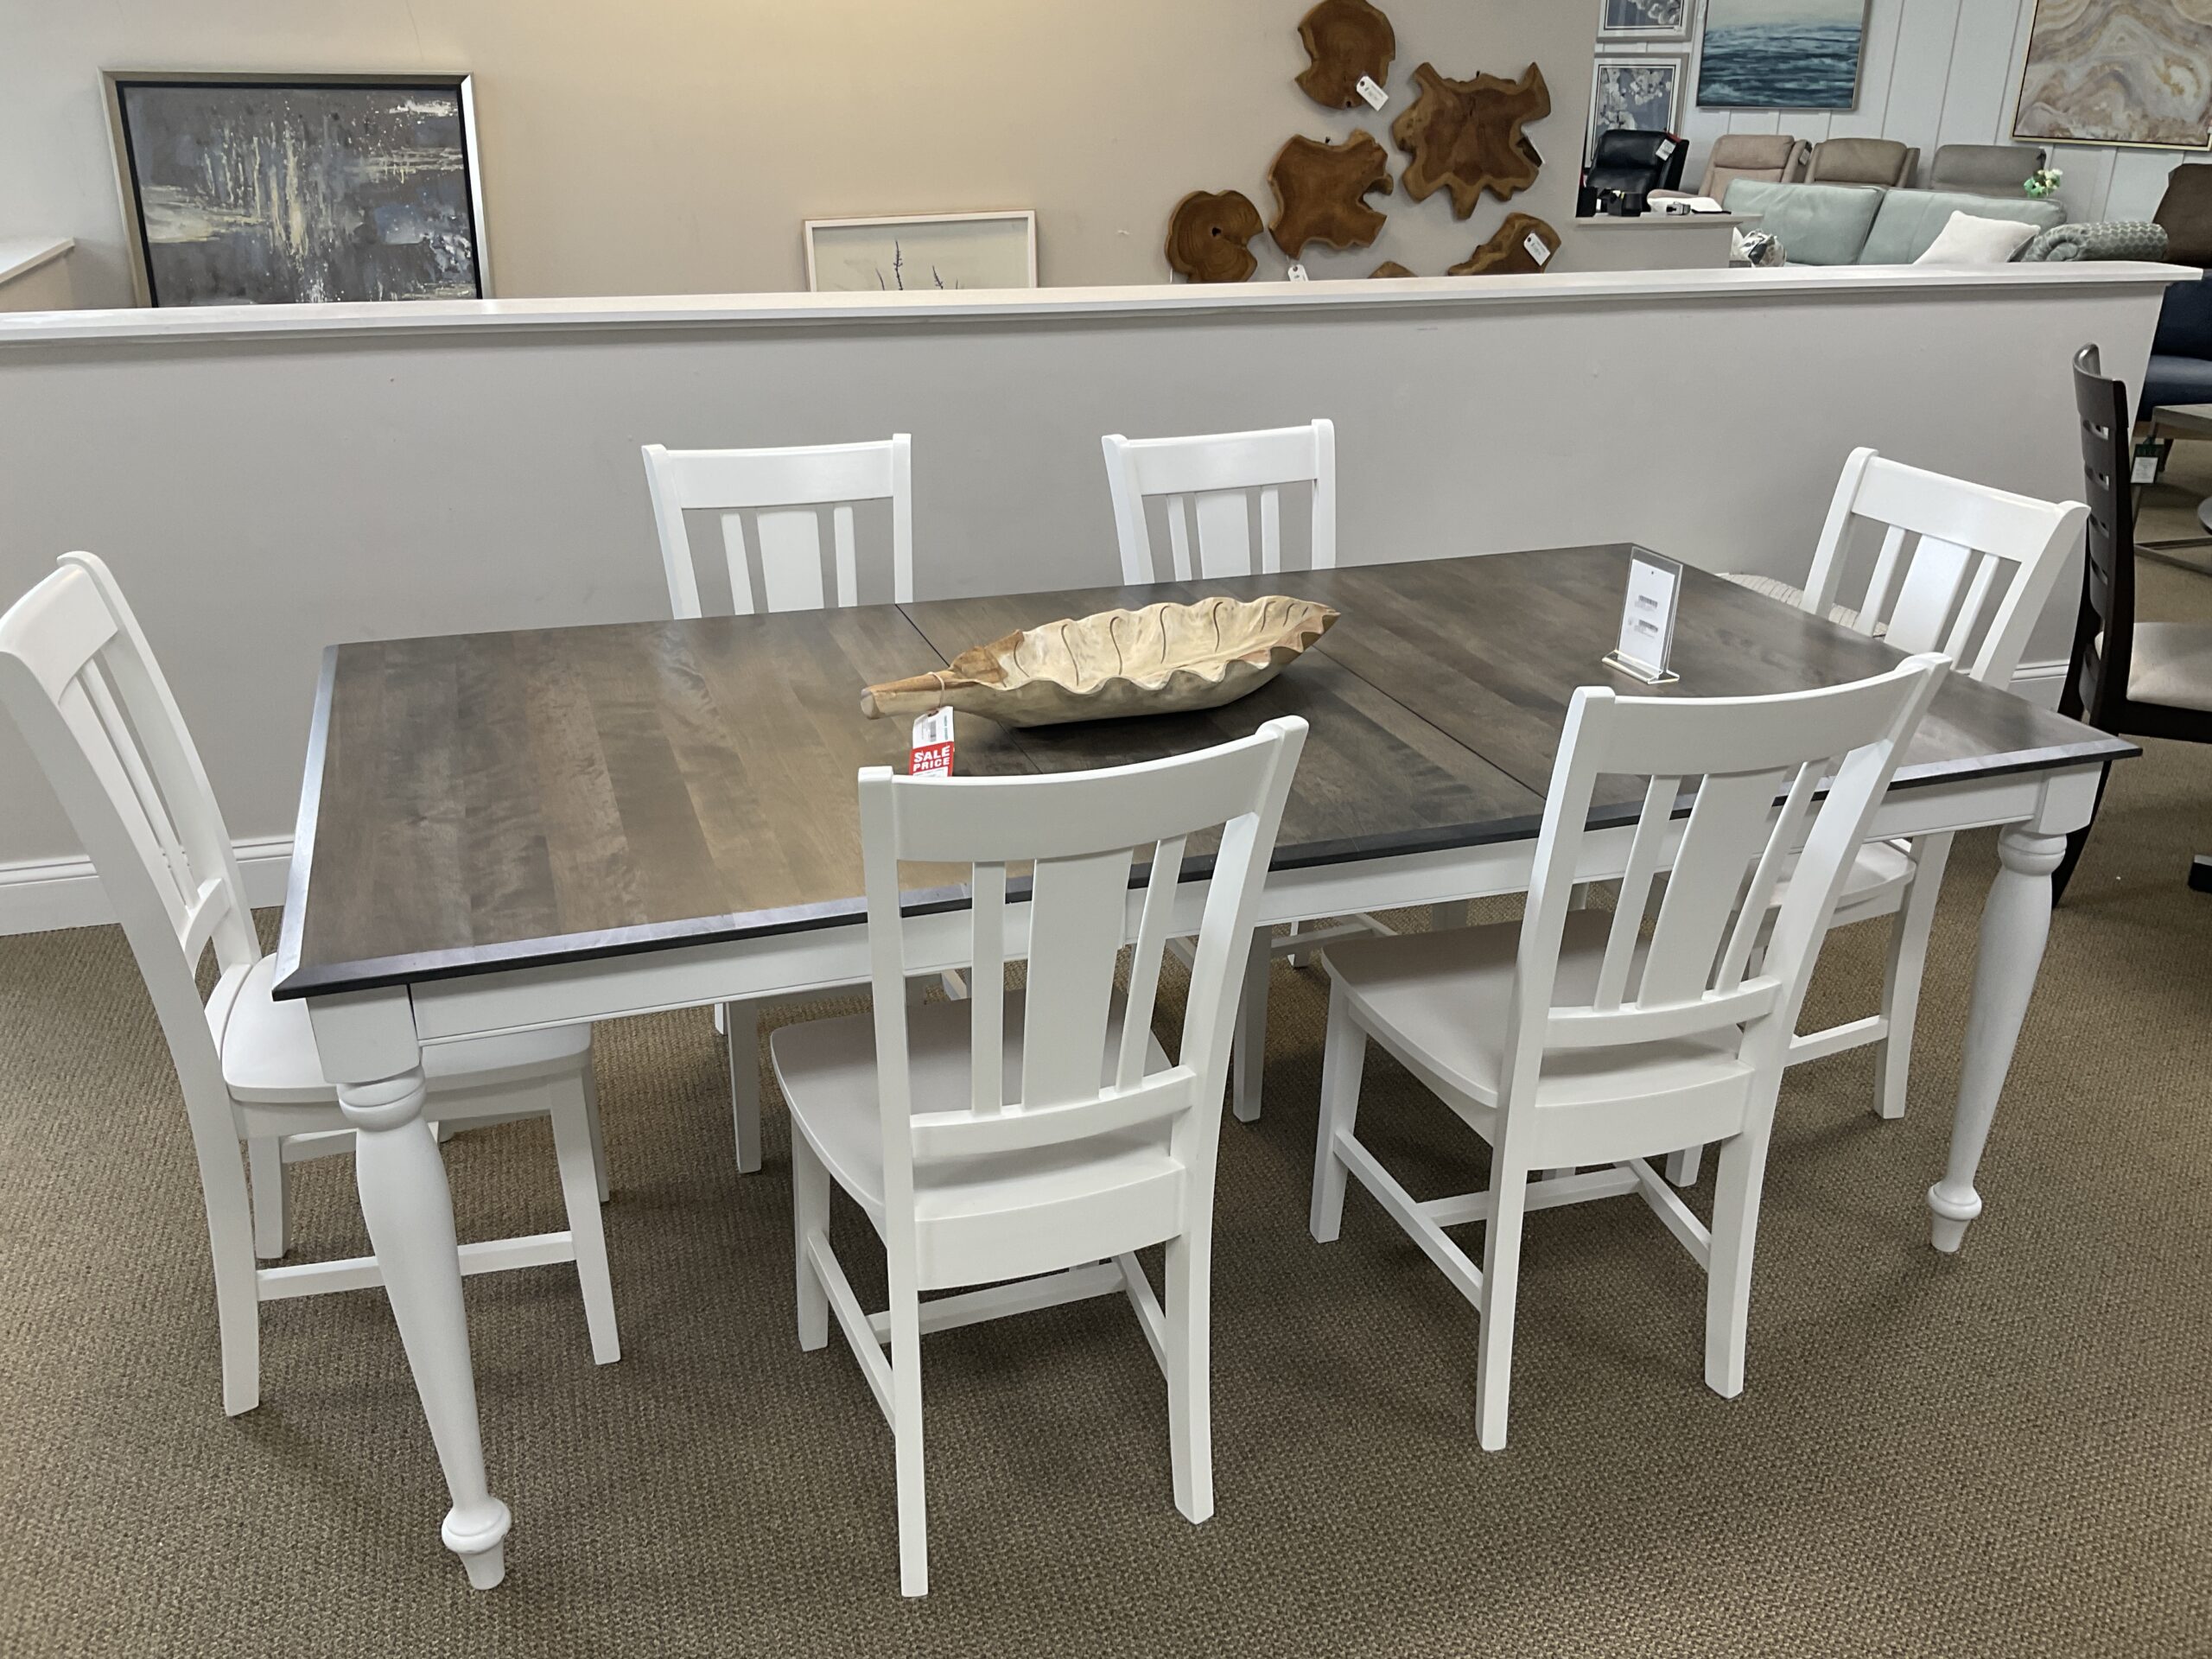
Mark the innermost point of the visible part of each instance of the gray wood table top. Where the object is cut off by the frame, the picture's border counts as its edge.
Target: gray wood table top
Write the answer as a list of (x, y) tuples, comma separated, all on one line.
[(486, 801)]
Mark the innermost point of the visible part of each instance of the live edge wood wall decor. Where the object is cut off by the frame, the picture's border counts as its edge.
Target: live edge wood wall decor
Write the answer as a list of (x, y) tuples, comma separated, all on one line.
[(1207, 233), (1507, 253), (1464, 135), (1346, 39), (1320, 190)]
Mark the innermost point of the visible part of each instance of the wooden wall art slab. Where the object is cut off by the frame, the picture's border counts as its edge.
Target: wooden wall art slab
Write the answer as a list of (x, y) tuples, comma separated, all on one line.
[(1507, 253), (1346, 39), (1464, 135), (1320, 190), (1165, 657), (1206, 235), (1389, 268)]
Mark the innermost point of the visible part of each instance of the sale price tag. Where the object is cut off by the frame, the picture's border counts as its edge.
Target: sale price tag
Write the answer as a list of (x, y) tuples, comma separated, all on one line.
[(932, 753), (1376, 97)]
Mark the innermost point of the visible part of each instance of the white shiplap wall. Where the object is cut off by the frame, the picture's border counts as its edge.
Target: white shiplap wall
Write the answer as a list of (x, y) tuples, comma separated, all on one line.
[(1937, 72)]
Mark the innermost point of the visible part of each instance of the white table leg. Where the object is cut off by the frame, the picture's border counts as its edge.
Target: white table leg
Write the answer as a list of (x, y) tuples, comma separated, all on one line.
[(408, 1209), (2015, 922)]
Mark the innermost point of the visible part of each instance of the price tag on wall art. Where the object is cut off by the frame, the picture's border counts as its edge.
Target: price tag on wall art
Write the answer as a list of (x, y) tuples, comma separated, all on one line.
[(1376, 97), (1647, 638), (932, 751)]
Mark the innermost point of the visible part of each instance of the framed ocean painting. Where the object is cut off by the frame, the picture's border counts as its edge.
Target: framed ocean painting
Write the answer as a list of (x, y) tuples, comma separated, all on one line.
[(254, 189), (1781, 54), (2129, 73)]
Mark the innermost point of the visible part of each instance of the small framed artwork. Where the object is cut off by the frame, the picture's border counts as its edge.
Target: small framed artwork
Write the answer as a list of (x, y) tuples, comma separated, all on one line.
[(254, 189), (1641, 93), (1781, 54), (1643, 20), (921, 251)]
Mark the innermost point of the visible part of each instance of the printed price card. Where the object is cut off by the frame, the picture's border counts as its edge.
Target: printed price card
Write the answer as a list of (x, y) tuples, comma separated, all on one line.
[(932, 751), (1647, 618)]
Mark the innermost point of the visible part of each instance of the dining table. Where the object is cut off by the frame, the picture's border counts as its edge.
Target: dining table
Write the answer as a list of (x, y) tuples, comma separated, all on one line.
[(500, 832)]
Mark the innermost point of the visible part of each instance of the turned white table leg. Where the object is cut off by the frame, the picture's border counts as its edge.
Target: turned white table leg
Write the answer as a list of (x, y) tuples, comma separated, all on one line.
[(2015, 922), (408, 1209)]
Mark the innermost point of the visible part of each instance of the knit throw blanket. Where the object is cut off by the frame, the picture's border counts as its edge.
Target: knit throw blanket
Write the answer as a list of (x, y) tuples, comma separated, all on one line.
[(2115, 239)]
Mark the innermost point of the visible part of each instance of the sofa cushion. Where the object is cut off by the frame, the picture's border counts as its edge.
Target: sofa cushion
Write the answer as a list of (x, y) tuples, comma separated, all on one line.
[(2175, 380), (1911, 219), (1970, 239), (1816, 224)]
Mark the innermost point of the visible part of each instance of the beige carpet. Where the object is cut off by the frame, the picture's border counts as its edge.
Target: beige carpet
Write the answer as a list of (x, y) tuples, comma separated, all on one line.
[(2006, 1453)]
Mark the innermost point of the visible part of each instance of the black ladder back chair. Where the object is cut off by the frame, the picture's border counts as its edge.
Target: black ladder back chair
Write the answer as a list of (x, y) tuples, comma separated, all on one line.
[(2149, 680)]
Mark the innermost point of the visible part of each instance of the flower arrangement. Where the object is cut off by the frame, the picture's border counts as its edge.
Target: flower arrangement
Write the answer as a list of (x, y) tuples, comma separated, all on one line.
[(2043, 181)]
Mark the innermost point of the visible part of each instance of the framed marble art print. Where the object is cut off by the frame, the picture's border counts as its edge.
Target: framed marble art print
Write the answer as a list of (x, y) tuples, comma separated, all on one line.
[(2135, 73)]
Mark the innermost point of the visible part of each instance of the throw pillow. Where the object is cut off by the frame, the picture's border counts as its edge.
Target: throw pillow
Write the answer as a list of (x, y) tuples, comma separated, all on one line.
[(1967, 240)]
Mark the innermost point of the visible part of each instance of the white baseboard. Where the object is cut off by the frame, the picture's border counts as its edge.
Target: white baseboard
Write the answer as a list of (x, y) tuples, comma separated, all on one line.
[(40, 895), (2041, 682)]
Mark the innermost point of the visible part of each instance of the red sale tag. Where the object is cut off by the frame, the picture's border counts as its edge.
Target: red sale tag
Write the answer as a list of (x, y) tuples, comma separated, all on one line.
[(931, 756)]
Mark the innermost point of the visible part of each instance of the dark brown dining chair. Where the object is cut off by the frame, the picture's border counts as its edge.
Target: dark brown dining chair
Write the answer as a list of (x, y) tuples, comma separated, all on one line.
[(2132, 679)]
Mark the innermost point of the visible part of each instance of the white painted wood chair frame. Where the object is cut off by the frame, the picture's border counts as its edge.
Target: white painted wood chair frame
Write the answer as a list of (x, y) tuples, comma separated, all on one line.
[(783, 492), (1963, 569), (1209, 483), (80, 681), (1698, 977), (1083, 832)]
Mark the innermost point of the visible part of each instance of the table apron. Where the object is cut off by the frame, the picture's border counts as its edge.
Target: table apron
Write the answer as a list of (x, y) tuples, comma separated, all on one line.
[(828, 958)]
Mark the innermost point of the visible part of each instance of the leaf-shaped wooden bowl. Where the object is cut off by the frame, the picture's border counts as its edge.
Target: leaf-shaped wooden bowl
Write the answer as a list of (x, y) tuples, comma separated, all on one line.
[(1164, 658)]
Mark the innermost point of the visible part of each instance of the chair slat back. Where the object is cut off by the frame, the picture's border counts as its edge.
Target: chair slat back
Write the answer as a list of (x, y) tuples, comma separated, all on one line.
[(1208, 486), (1082, 836), (2104, 628), (80, 680), (1740, 757), (773, 502), (1963, 569)]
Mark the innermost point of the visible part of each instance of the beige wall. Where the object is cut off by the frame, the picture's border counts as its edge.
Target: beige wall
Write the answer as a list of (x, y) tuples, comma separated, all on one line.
[(675, 146)]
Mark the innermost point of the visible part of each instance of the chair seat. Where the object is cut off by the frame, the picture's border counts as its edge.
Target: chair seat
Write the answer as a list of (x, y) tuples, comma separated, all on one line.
[(1775, 587), (1445, 997), (826, 1069), (270, 1057), (2171, 666)]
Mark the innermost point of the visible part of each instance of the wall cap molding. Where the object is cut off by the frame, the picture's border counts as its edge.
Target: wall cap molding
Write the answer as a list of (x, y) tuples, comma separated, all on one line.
[(42, 895), (470, 319)]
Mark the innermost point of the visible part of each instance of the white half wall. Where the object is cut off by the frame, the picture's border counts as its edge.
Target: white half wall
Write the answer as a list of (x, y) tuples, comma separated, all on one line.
[(390, 471)]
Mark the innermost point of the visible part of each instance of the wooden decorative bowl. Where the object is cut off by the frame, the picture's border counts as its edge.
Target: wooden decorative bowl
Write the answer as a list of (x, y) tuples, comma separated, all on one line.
[(1162, 659)]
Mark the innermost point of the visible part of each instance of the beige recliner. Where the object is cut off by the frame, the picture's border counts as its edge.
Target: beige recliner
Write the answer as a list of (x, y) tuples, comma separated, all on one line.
[(1770, 157), (1863, 161)]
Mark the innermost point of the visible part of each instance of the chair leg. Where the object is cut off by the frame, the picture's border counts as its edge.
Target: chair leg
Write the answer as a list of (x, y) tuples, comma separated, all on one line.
[(237, 1294), (1907, 962), (1248, 1062), (741, 1038), (906, 1430), (1296, 958), (272, 1198), (1442, 919), (572, 1148), (1682, 1167), (1344, 1058), (598, 1133), (1190, 1413), (1509, 1186), (809, 1219), (1737, 1186)]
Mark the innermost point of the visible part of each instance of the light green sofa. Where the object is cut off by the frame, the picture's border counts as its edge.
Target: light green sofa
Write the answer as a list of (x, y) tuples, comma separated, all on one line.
[(1867, 224)]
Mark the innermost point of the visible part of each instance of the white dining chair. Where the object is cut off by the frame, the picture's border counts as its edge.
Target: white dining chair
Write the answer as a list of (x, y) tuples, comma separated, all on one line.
[(78, 678), (1963, 569), (1206, 486), (1568, 1039), (783, 496), (1040, 1136)]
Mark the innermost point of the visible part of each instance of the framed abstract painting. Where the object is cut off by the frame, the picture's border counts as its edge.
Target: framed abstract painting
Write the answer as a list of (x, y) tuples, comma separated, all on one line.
[(1643, 20), (1781, 54), (2136, 73), (251, 189), (1643, 94)]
